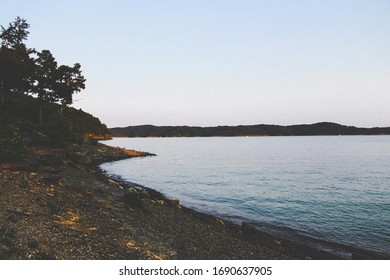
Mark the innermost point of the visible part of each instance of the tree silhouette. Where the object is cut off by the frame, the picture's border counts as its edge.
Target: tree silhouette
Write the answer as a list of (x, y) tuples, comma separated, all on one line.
[(44, 79), (16, 64), (69, 80), (14, 36), (24, 70)]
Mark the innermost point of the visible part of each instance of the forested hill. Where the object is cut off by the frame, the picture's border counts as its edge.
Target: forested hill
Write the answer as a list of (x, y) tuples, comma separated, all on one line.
[(36, 93), (324, 128), (35, 98), (24, 109)]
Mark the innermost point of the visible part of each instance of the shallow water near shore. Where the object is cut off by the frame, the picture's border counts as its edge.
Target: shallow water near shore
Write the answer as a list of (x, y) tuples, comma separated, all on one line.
[(329, 188)]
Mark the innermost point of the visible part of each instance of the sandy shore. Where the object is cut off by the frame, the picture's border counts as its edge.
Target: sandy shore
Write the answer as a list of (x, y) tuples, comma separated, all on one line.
[(59, 205)]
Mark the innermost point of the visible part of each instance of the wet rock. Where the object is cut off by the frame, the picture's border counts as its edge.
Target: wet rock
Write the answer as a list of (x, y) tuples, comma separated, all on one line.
[(173, 201), (132, 199), (155, 194), (51, 179), (143, 193), (220, 222), (247, 228), (112, 182), (82, 158)]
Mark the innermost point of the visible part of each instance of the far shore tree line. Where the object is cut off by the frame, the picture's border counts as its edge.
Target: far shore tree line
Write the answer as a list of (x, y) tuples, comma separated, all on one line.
[(25, 70)]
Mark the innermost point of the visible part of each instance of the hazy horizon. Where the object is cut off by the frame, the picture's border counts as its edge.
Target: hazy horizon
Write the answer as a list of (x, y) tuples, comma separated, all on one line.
[(209, 63)]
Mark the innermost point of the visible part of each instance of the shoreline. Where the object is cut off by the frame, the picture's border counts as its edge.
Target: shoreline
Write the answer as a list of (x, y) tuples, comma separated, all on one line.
[(308, 246), (59, 204)]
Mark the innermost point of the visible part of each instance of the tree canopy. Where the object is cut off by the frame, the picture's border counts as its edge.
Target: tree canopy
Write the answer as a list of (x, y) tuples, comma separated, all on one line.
[(16, 33), (27, 71)]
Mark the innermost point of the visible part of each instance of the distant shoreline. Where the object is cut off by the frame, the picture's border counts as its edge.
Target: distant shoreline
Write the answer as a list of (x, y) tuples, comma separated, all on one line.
[(317, 129)]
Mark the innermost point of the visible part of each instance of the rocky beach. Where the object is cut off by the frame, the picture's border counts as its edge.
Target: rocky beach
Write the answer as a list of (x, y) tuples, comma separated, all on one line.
[(58, 204)]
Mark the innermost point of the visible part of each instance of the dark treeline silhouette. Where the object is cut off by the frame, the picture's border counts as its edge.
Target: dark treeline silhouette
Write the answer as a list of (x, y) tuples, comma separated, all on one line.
[(324, 128), (35, 94), (24, 70)]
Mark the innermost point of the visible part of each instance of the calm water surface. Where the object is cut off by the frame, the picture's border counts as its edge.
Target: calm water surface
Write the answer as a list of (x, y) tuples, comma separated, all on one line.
[(329, 188)]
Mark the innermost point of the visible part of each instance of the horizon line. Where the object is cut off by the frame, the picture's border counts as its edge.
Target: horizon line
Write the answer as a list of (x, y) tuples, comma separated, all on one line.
[(267, 124)]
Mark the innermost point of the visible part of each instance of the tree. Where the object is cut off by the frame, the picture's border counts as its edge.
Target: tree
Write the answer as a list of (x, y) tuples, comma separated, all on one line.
[(14, 36), (12, 73), (16, 64), (69, 80), (44, 79), (37, 75)]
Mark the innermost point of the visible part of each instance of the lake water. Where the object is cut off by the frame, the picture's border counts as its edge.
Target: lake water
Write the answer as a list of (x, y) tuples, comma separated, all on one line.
[(332, 188)]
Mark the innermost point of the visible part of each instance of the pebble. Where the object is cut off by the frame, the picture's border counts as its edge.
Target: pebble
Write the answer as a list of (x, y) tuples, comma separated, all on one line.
[(160, 202)]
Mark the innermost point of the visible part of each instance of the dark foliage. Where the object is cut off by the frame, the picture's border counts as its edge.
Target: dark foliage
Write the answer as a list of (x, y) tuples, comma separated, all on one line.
[(34, 97), (24, 109), (58, 130), (27, 71), (13, 144), (324, 128)]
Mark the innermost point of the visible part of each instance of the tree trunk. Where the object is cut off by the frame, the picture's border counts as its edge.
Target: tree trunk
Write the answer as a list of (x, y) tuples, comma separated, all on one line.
[(2, 96), (40, 118), (40, 112), (3, 100)]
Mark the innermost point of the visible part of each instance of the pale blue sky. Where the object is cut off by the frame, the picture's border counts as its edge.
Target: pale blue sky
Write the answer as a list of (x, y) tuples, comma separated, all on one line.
[(214, 62)]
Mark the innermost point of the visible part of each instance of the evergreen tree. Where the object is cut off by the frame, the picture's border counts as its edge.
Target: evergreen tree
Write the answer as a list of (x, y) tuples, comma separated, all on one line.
[(16, 64), (14, 36), (26, 71), (44, 79), (69, 80)]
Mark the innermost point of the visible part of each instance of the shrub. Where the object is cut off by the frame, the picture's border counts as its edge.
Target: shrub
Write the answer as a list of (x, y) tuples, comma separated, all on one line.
[(58, 130), (13, 146)]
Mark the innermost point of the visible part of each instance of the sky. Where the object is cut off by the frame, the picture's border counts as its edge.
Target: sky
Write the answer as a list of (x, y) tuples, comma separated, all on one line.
[(220, 62)]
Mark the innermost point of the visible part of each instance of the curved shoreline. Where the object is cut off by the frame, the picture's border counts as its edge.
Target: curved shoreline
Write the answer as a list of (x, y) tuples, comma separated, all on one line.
[(321, 248), (308, 246), (58, 204)]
